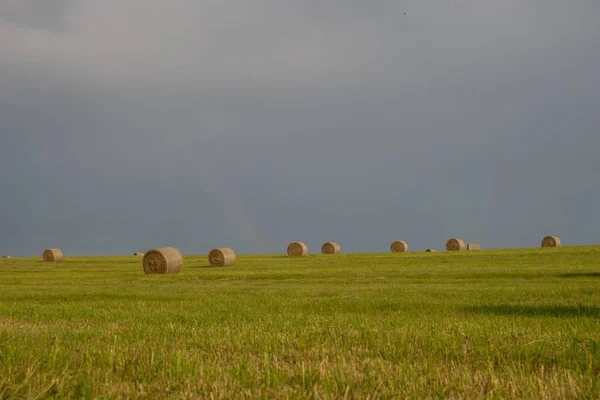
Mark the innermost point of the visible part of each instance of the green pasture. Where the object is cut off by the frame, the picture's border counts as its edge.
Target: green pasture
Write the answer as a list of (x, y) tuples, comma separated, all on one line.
[(516, 324)]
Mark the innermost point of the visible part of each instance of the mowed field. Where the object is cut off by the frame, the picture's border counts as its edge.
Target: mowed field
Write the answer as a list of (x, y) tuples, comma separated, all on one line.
[(504, 324)]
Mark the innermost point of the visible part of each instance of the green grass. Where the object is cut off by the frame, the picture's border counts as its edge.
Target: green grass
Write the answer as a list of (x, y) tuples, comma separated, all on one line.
[(502, 324)]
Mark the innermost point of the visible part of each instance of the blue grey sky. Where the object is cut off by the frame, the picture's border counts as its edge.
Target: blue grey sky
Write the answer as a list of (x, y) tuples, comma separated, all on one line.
[(197, 124)]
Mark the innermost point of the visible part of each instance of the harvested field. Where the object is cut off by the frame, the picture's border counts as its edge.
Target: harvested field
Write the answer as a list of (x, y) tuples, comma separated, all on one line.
[(519, 323)]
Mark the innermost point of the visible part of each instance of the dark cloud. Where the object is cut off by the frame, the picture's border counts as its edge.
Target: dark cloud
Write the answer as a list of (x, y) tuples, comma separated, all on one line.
[(210, 124), (45, 15)]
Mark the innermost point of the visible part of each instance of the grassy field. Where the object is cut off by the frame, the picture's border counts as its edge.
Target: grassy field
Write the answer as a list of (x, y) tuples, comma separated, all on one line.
[(501, 324)]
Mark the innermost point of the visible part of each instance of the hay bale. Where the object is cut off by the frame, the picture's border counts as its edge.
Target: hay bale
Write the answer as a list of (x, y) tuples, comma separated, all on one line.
[(430, 251), (551, 241), (6, 257), (166, 260), (297, 249), (52, 255), (399, 246), (473, 247), (331, 248), (138, 254), (221, 257), (455, 244)]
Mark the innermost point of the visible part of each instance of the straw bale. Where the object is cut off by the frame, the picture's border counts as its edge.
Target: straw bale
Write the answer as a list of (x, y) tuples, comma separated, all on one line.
[(399, 246), (331, 248), (165, 260), (297, 249), (221, 257), (52, 255), (551, 241), (455, 244)]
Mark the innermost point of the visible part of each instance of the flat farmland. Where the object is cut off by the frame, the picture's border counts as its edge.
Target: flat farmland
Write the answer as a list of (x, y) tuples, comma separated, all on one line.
[(518, 323)]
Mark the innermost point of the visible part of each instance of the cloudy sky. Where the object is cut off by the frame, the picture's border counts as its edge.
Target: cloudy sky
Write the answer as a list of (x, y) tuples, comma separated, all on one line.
[(134, 124)]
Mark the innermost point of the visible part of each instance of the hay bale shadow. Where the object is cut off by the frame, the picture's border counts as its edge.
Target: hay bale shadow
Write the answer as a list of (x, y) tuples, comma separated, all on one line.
[(535, 311), (580, 275)]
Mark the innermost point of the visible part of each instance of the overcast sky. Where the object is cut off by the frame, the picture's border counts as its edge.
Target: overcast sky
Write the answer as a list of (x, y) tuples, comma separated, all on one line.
[(128, 125)]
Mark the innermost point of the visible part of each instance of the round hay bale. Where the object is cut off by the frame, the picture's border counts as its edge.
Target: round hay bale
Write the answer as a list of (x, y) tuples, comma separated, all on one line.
[(473, 247), (430, 251), (297, 249), (138, 254), (166, 260), (6, 257), (221, 257), (399, 246), (331, 248), (551, 241), (455, 244), (52, 255)]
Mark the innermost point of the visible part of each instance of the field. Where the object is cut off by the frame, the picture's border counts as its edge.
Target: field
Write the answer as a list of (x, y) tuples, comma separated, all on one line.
[(503, 324)]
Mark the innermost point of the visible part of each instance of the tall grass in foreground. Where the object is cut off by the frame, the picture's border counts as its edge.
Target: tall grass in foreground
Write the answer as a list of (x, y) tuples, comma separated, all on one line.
[(503, 324)]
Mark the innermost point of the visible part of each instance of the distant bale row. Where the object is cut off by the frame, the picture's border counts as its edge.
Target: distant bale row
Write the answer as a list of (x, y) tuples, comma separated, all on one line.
[(456, 244), (299, 249), (6, 257), (168, 260)]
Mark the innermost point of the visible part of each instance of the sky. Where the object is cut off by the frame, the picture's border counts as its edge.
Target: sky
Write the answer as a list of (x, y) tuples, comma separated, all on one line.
[(130, 125)]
